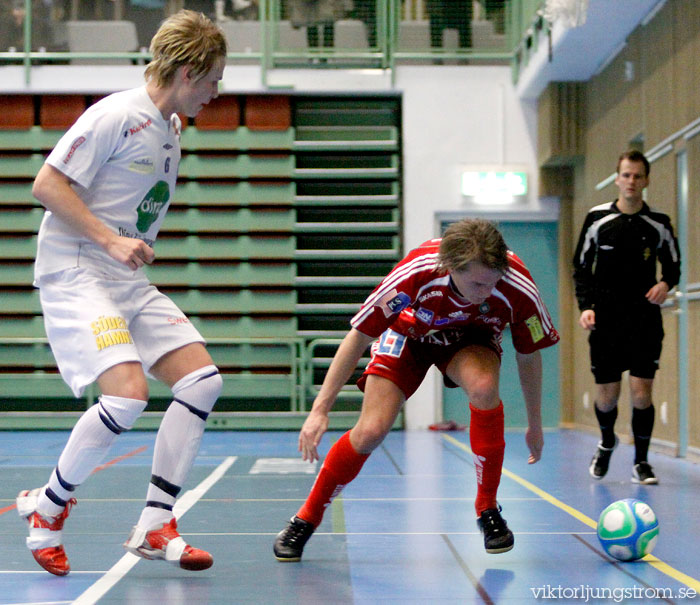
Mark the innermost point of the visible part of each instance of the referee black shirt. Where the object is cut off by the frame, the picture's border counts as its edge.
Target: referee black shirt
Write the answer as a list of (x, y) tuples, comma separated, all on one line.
[(615, 259)]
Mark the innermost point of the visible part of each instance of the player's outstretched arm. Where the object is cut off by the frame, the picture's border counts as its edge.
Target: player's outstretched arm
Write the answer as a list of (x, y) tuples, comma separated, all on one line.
[(52, 188), (341, 369), (530, 373)]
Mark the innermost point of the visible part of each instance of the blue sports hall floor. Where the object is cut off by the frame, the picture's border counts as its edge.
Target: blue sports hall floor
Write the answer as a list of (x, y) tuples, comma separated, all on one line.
[(402, 532)]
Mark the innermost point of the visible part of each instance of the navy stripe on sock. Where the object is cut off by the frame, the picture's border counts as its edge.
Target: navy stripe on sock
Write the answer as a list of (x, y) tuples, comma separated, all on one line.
[(51, 495), (197, 412), (109, 422), (212, 373), (69, 487), (169, 488), (155, 504)]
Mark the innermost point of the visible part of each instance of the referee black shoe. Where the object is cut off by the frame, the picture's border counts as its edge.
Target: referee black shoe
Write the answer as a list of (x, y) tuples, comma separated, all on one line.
[(601, 460), (289, 544), (497, 537), (643, 474)]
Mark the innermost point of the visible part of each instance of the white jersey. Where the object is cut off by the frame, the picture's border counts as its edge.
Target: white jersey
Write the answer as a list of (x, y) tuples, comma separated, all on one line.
[(122, 157)]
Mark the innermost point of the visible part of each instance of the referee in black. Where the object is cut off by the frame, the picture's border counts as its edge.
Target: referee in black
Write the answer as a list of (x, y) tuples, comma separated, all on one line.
[(615, 271)]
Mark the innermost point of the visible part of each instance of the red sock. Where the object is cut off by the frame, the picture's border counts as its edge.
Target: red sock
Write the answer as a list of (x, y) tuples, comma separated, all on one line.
[(488, 446), (341, 466)]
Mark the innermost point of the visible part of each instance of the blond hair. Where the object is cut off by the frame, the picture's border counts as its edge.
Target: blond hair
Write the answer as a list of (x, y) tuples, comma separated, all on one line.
[(185, 38), (472, 240)]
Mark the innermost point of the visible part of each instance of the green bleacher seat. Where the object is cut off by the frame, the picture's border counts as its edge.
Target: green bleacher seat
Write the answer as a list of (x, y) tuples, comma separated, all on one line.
[(246, 327), (34, 138), (228, 220), (222, 247), (17, 246), (242, 274), (236, 166), (22, 327), (286, 215), (207, 302), (21, 302), (20, 165), (329, 138), (227, 193), (241, 139)]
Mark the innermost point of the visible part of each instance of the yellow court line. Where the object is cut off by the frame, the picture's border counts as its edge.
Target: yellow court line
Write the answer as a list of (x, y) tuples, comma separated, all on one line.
[(665, 568)]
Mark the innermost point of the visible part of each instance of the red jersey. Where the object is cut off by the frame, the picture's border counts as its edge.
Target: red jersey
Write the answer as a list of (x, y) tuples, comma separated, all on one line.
[(418, 301)]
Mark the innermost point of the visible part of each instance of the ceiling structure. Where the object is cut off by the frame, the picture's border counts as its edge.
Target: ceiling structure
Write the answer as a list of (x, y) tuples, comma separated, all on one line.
[(578, 53)]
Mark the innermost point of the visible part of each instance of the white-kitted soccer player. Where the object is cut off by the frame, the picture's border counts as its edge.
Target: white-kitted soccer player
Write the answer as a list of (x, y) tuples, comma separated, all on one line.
[(106, 188)]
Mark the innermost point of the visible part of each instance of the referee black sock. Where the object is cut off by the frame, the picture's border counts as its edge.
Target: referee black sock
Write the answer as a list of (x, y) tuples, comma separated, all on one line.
[(642, 426), (606, 421)]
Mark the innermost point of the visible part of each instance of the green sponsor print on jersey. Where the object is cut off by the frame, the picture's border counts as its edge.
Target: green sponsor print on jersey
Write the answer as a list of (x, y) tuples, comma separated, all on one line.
[(149, 209)]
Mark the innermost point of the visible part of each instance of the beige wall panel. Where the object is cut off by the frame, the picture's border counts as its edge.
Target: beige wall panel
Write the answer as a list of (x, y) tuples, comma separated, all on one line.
[(661, 99), (694, 374), (686, 28), (546, 108), (661, 193), (655, 70), (691, 265), (583, 382), (614, 116), (665, 394)]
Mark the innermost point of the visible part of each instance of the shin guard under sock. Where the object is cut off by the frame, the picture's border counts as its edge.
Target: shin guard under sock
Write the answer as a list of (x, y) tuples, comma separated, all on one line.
[(341, 466), (488, 446)]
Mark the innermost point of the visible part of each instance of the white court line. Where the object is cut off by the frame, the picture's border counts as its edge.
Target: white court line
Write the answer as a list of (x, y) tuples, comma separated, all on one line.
[(43, 603), (122, 567), (405, 533)]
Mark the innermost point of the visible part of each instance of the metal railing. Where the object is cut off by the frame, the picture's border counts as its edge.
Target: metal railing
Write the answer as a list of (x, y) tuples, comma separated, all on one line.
[(385, 34)]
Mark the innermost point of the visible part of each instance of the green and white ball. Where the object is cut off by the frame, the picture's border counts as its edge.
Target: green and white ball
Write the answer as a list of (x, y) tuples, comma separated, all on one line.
[(628, 529)]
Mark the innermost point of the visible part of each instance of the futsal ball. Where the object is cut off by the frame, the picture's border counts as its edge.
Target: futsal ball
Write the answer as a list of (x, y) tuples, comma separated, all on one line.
[(627, 529)]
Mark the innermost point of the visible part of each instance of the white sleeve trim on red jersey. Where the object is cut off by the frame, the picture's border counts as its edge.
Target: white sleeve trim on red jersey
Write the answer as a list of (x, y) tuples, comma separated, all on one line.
[(529, 289), (392, 281)]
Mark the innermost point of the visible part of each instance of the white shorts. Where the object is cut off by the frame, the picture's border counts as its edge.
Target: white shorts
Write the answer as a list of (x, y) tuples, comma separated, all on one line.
[(94, 322)]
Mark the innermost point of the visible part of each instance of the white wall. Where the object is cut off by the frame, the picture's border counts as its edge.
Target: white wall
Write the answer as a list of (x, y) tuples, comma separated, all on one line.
[(453, 116)]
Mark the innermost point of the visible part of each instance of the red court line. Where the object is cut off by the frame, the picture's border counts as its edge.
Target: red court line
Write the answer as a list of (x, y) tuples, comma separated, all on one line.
[(138, 450)]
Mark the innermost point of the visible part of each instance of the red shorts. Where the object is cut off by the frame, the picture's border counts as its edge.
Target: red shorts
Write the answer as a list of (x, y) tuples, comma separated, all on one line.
[(405, 361)]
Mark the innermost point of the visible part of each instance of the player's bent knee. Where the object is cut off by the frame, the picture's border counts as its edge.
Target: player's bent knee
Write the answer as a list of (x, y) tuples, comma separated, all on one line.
[(199, 390), (366, 438), (119, 414)]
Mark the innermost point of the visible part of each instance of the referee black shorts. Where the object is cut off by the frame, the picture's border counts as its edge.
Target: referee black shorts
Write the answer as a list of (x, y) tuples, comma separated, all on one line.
[(626, 339)]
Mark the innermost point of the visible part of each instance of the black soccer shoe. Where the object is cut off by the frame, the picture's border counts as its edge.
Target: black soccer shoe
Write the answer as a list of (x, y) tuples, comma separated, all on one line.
[(289, 544), (643, 474), (601, 460), (497, 537)]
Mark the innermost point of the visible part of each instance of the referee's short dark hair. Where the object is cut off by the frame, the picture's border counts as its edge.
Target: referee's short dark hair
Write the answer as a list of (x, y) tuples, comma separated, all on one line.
[(633, 156)]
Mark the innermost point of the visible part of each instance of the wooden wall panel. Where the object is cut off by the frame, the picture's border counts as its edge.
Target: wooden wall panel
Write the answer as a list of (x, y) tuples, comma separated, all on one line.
[(581, 378), (613, 116), (560, 123), (661, 194), (694, 374), (655, 70), (660, 99), (665, 394), (686, 67), (691, 265)]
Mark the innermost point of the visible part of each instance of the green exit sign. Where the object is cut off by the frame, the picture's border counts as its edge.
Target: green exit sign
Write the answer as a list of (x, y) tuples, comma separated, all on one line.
[(491, 187)]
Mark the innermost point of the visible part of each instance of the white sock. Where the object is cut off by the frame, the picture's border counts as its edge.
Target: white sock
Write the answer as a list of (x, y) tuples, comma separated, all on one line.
[(88, 444), (178, 440)]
